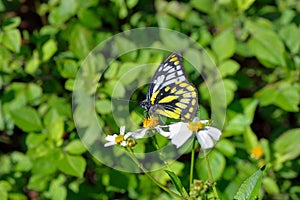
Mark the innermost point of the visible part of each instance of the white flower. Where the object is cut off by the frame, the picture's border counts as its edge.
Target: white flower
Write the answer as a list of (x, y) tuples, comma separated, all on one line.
[(149, 124), (144, 132), (207, 136), (117, 138)]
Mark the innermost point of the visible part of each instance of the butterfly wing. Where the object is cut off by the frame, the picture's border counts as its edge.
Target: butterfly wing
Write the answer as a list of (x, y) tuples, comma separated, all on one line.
[(169, 92), (177, 100), (169, 71)]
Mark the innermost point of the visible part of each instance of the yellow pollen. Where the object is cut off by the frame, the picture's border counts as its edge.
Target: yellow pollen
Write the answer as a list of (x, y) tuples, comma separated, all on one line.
[(257, 152), (150, 122), (119, 139), (195, 126)]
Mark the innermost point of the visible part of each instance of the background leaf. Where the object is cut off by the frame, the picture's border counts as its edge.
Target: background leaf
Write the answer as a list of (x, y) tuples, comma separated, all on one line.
[(72, 165), (176, 181), (27, 119), (250, 188)]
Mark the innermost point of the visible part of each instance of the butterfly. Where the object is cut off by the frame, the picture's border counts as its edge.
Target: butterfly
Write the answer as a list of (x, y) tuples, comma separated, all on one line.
[(169, 93)]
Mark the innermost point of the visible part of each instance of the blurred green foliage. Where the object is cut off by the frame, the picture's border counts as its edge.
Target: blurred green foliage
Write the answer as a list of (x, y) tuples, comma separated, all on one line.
[(255, 45)]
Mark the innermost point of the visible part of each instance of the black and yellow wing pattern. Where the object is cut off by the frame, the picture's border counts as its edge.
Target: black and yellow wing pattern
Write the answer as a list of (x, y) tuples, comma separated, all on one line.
[(169, 92)]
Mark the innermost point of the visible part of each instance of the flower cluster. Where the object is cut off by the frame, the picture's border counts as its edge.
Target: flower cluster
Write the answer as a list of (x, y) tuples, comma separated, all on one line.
[(178, 133)]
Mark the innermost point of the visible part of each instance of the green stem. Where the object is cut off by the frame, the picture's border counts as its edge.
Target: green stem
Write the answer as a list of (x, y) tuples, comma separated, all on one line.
[(162, 157), (210, 174), (192, 163), (132, 156), (166, 163)]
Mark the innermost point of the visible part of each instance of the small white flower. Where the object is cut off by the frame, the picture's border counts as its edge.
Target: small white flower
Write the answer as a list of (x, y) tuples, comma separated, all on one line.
[(150, 124), (180, 133), (144, 132), (207, 136), (117, 138)]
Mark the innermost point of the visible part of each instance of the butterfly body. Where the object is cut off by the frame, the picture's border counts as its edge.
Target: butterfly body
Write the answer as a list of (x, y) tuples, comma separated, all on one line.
[(169, 93)]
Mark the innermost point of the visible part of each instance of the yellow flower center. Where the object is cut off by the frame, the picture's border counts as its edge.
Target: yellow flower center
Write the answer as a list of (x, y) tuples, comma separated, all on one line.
[(150, 122), (195, 126), (119, 139), (257, 152)]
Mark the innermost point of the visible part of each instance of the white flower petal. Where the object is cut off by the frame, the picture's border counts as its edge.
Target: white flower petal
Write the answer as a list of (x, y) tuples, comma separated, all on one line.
[(162, 132), (180, 133), (111, 138), (175, 128), (205, 121), (122, 130), (204, 139), (123, 144), (127, 135), (140, 133), (214, 133), (110, 144)]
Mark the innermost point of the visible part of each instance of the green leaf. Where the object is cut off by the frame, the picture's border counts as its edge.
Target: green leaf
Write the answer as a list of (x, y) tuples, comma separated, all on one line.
[(34, 139), (229, 68), (63, 12), (12, 40), (11, 23), (89, 18), (128, 72), (270, 185), (103, 106), (72, 165), (33, 93), (288, 97), (173, 40), (249, 105), (295, 192), (69, 84), (123, 45), (250, 139), (243, 118), (33, 63), (38, 182), (3, 193), (282, 94), (289, 34), (266, 45), (217, 164), (67, 68), (206, 6), (6, 164), (56, 129), (45, 164), (166, 21), (287, 145), (79, 41), (179, 10), (226, 147), (224, 44), (17, 196), (75, 147), (27, 119), (176, 181), (21, 162), (131, 3), (230, 88), (249, 190), (243, 5), (48, 50), (57, 190)]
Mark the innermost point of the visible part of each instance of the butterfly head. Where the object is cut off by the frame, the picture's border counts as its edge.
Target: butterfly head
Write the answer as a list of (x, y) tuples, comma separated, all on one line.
[(146, 105)]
